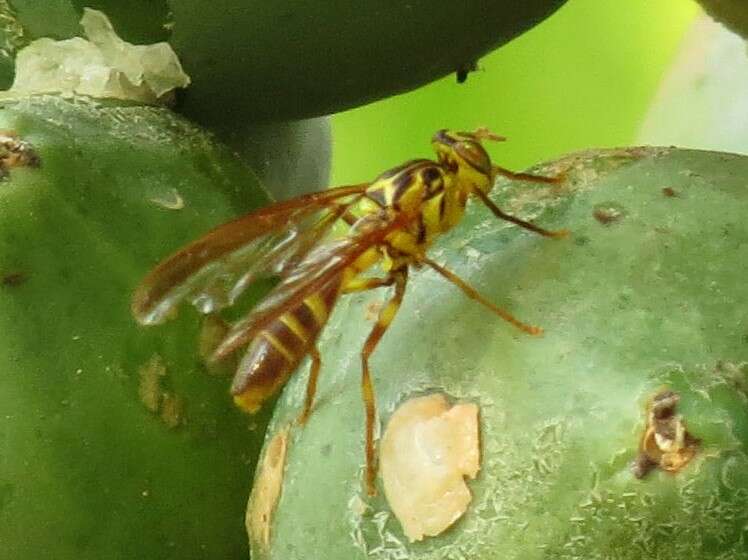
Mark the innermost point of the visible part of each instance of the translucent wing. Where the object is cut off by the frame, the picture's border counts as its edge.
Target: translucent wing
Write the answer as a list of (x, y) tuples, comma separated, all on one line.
[(213, 271), (320, 267)]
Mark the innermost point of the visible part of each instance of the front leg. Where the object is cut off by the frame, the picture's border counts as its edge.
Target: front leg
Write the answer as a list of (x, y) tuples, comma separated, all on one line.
[(499, 213)]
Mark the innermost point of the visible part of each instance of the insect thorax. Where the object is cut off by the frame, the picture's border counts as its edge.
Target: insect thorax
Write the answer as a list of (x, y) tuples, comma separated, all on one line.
[(425, 190)]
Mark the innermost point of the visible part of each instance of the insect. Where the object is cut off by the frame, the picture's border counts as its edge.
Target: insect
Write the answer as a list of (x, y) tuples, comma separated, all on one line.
[(391, 223)]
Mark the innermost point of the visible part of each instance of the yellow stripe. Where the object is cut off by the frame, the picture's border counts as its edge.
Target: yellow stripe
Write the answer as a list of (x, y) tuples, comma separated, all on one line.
[(293, 324), (279, 347), (318, 308)]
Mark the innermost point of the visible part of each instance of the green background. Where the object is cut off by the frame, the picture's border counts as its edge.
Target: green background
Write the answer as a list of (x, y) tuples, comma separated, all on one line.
[(583, 78)]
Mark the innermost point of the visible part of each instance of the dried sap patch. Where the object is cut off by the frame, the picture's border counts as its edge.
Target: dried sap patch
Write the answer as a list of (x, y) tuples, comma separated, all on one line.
[(428, 448), (103, 66), (267, 490)]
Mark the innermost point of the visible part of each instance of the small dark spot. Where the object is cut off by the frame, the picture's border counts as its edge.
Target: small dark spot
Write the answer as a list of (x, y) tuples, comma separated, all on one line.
[(608, 213), (13, 279), (581, 240), (326, 450), (669, 192)]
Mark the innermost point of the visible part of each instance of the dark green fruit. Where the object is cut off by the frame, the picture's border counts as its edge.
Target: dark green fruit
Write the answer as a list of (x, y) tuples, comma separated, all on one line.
[(115, 441), (644, 308), (283, 60), (732, 13)]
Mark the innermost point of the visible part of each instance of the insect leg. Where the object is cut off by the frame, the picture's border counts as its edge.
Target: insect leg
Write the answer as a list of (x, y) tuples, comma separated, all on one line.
[(472, 293), (311, 386), (399, 277), (499, 213), (364, 284), (356, 285), (529, 177)]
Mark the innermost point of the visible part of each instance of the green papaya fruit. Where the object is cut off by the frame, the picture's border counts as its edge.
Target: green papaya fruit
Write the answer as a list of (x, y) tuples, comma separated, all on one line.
[(620, 433), (115, 441)]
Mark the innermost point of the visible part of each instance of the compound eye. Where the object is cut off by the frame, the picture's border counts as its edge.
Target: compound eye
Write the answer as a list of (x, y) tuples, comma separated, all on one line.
[(474, 155)]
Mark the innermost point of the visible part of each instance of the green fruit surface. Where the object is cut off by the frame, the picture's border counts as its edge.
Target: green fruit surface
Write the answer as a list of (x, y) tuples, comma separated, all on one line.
[(648, 292), (288, 60), (87, 471)]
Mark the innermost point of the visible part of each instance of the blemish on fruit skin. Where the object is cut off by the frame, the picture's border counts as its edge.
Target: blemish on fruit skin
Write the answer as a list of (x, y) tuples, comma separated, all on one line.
[(13, 279), (267, 490), (666, 443), (168, 407), (669, 192), (428, 449), (608, 213), (149, 388), (172, 408), (15, 152), (170, 200)]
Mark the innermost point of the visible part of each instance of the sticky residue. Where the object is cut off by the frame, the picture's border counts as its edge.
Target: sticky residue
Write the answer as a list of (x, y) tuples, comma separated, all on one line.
[(427, 450), (665, 444), (102, 66), (267, 490), (153, 395)]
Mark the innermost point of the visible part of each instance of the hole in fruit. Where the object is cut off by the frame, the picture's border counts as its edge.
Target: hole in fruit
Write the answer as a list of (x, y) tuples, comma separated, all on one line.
[(15, 152), (665, 444)]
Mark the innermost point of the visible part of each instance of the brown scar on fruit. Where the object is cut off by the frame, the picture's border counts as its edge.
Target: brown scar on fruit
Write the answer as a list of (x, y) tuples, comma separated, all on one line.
[(15, 152), (428, 450), (172, 410), (13, 279), (267, 490), (669, 192), (168, 407), (666, 443)]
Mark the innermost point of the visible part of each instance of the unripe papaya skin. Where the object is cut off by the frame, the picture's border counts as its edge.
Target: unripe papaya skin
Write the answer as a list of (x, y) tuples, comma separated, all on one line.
[(115, 442), (647, 294), (277, 61)]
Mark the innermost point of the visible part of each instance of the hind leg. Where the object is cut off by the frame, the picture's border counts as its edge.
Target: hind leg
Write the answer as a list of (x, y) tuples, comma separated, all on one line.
[(386, 315)]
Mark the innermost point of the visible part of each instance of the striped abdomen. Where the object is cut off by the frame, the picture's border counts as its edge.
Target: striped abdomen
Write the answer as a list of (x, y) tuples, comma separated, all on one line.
[(277, 351)]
